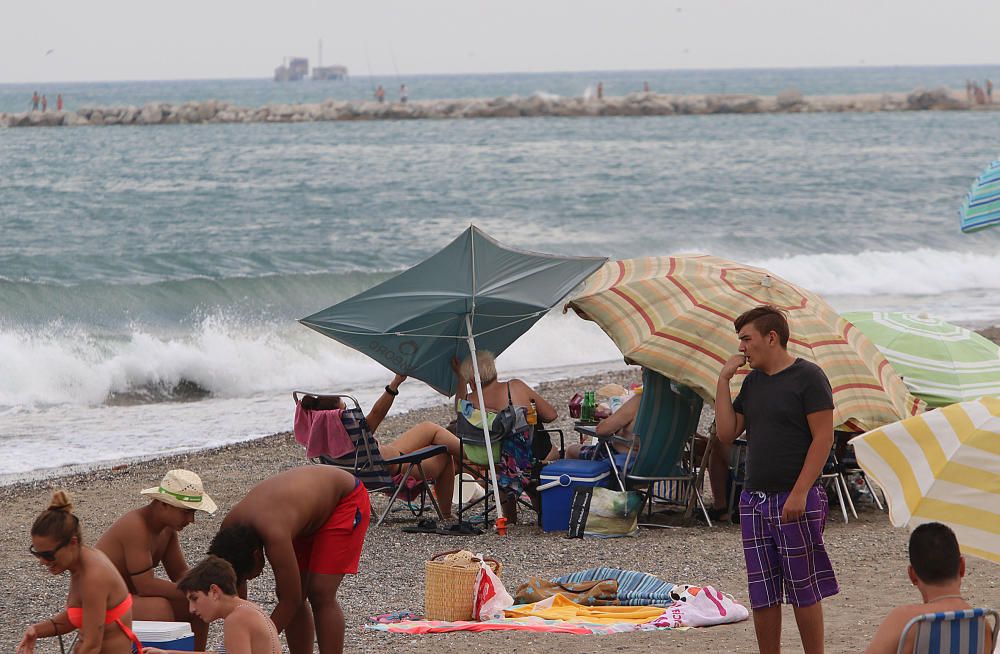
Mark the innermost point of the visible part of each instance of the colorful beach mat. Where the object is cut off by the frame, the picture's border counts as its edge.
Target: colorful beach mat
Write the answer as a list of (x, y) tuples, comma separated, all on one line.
[(524, 624)]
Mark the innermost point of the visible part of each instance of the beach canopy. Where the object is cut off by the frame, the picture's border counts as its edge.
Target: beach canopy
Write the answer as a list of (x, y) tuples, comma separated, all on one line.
[(475, 294), (416, 322), (675, 315), (940, 363), (942, 466), (981, 207)]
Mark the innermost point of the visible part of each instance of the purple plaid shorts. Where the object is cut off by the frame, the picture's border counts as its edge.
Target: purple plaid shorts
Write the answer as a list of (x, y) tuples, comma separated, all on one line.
[(785, 559)]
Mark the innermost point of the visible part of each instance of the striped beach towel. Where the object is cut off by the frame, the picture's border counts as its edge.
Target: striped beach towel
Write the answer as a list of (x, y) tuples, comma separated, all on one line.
[(634, 588)]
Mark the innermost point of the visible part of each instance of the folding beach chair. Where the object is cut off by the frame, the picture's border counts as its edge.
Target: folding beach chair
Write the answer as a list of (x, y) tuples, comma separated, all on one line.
[(366, 462), (951, 632), (665, 467), (833, 474)]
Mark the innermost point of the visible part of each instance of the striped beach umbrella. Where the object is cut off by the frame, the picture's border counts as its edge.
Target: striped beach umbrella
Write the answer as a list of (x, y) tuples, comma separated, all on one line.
[(981, 207), (942, 466), (675, 315), (940, 363)]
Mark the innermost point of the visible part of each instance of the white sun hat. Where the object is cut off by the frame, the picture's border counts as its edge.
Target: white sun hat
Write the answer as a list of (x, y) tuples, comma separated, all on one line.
[(182, 488)]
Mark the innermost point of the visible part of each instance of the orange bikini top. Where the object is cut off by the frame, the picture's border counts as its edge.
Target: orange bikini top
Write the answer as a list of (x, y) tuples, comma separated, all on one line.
[(75, 615)]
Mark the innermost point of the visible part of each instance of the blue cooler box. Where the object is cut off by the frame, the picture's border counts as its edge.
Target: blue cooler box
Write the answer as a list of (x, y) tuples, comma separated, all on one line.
[(558, 480), (164, 635)]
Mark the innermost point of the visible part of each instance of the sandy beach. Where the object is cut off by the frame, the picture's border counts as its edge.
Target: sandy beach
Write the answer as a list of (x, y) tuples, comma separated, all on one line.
[(868, 554)]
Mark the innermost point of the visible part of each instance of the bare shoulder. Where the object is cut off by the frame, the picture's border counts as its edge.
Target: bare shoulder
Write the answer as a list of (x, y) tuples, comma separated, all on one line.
[(128, 527)]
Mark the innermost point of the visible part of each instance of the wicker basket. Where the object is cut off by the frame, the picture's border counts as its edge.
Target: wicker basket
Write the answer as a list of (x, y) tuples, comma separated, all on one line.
[(449, 583)]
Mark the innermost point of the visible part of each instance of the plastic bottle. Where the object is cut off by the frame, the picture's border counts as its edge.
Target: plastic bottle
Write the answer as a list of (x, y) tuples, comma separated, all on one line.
[(532, 413)]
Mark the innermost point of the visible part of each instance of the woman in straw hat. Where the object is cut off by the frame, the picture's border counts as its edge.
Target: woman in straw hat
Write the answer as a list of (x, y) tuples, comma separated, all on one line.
[(98, 603), (142, 539)]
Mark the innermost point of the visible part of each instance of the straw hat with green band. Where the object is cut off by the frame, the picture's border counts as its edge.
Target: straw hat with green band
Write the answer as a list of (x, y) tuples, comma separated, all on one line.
[(182, 488)]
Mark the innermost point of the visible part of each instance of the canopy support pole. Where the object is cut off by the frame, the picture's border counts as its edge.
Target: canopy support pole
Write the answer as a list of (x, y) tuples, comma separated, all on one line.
[(501, 523)]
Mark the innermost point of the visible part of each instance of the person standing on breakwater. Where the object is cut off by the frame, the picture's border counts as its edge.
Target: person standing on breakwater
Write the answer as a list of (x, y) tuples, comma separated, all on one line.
[(59, 102), (402, 93), (380, 94), (645, 87), (34, 101), (989, 92), (45, 104), (600, 90)]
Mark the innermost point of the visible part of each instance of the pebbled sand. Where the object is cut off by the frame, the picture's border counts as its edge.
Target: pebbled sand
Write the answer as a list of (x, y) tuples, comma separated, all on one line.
[(868, 554)]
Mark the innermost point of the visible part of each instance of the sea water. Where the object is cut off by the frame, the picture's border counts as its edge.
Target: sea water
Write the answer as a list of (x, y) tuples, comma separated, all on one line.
[(151, 277)]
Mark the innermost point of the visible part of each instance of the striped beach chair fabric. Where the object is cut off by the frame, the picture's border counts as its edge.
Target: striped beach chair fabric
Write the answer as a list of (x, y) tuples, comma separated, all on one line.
[(666, 423), (366, 461), (951, 632)]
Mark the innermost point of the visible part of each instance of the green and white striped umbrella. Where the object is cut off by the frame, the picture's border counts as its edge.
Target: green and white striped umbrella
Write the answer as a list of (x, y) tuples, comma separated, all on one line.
[(940, 363)]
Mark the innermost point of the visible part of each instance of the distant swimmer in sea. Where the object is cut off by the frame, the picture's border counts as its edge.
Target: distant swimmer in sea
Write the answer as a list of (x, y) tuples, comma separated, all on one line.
[(380, 94), (403, 95)]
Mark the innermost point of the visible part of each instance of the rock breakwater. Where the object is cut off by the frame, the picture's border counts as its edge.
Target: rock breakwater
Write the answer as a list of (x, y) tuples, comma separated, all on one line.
[(635, 104)]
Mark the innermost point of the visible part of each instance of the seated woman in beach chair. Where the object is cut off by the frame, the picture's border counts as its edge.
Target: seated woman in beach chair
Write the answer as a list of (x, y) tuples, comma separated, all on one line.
[(616, 429), (441, 468), (514, 466)]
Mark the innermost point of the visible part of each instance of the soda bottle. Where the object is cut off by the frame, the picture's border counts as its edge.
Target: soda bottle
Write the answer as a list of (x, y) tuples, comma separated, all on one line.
[(532, 413), (588, 407)]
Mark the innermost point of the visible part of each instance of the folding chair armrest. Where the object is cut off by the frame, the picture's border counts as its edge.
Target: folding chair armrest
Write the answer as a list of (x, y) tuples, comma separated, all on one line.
[(417, 456), (562, 438)]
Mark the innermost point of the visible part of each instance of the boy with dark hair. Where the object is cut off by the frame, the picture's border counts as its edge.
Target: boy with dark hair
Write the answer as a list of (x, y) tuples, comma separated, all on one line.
[(210, 588), (309, 523), (786, 407), (936, 569)]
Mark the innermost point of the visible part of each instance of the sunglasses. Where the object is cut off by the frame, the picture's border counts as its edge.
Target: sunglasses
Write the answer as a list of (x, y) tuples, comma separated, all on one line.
[(48, 555)]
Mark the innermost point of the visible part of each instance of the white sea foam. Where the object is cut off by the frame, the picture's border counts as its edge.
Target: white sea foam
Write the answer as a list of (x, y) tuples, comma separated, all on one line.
[(920, 272)]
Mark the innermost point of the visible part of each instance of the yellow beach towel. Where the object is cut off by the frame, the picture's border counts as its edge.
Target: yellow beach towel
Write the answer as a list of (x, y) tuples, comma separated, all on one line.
[(558, 607)]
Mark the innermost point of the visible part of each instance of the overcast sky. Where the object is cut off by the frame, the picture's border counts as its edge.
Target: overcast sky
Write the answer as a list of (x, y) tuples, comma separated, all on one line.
[(190, 39)]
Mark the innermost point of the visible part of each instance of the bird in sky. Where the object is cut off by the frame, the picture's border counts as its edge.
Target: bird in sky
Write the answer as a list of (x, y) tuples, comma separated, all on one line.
[(49, 51)]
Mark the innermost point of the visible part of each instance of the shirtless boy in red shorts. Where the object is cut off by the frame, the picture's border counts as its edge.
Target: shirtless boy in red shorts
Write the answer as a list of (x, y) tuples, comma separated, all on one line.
[(309, 523)]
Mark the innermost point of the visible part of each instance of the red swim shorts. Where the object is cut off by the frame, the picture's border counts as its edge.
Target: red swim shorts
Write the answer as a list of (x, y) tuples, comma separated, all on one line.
[(335, 548)]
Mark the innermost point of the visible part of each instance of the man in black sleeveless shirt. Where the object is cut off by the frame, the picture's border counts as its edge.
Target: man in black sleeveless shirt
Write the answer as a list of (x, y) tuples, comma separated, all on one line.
[(786, 407)]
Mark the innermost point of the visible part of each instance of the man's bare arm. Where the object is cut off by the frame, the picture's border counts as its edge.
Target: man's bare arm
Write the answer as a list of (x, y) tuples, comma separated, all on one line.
[(728, 423), (139, 566), (173, 559), (287, 580)]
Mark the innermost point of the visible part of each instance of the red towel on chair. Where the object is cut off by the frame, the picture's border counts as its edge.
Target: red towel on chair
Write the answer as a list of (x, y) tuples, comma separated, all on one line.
[(322, 432)]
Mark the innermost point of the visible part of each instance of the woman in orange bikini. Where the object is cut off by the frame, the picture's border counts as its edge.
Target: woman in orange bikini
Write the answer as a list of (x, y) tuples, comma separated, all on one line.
[(97, 593)]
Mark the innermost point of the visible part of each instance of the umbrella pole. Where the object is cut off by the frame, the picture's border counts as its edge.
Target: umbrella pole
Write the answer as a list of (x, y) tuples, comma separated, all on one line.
[(501, 523)]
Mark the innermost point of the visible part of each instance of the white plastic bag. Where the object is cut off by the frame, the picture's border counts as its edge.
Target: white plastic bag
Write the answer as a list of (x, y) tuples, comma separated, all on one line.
[(490, 598)]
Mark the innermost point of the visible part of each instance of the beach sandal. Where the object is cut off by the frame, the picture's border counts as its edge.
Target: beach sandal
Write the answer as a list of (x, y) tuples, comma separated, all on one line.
[(423, 526)]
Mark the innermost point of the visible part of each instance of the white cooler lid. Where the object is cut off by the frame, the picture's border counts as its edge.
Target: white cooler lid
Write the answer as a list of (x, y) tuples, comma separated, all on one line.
[(158, 632)]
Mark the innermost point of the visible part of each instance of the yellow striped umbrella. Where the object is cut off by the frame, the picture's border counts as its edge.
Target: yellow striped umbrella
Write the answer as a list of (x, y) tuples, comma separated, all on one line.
[(942, 466), (675, 315)]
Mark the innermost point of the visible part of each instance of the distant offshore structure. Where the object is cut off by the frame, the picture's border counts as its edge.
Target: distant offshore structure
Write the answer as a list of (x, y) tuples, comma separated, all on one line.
[(295, 69)]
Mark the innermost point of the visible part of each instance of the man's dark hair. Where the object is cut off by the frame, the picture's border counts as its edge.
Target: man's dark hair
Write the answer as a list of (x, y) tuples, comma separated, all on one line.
[(765, 319), (237, 544), (934, 553), (212, 570)]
